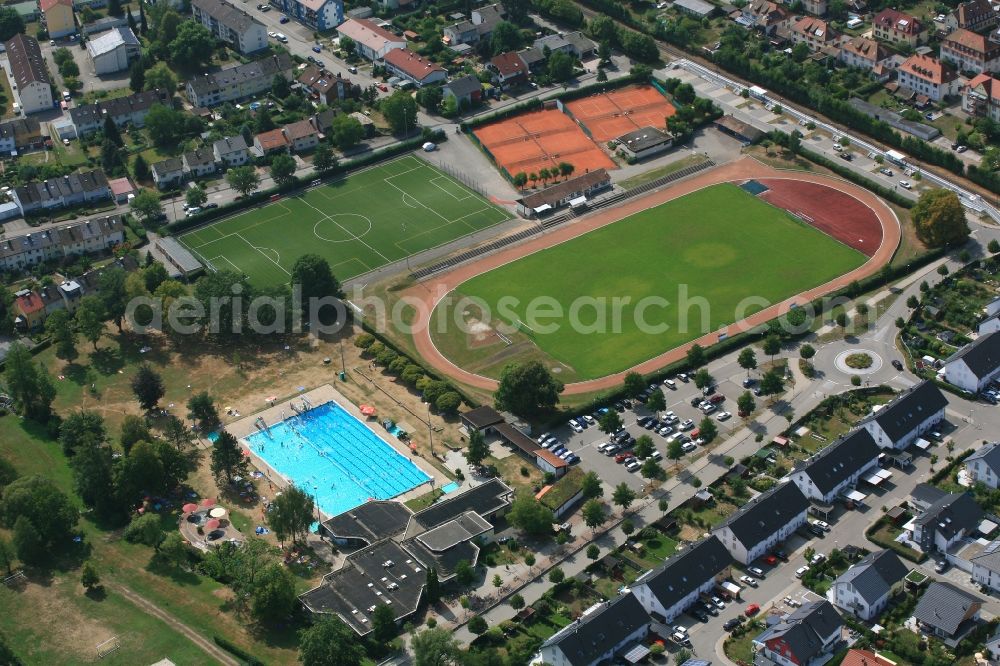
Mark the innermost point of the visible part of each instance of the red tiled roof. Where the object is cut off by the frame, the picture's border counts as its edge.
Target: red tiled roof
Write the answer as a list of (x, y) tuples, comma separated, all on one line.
[(30, 302), (969, 40), (869, 49), (990, 85), (891, 19), (509, 64), (815, 28), (367, 33), (551, 458), (929, 69), (121, 186), (273, 139), (46, 5), (412, 64), (299, 130), (865, 658)]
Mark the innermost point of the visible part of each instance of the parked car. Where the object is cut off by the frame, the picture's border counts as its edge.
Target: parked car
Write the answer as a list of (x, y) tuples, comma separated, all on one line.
[(748, 382), (699, 615), (756, 571), (752, 610), (717, 398), (210, 206), (780, 554), (731, 623), (794, 603), (633, 465), (695, 401), (589, 419), (941, 566), (317, 48), (718, 603), (284, 19), (575, 425), (687, 424), (709, 608), (846, 156), (815, 529), (747, 580), (818, 558), (688, 447), (543, 437), (822, 524), (724, 416), (886, 172), (801, 571), (622, 457), (683, 377), (905, 184)]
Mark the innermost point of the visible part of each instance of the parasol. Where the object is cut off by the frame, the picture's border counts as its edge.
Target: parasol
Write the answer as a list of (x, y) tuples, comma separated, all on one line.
[(190, 507), (208, 501), (367, 410), (213, 524), (217, 512)]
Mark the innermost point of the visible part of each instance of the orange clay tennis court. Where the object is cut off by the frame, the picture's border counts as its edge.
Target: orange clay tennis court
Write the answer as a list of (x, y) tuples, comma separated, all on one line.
[(610, 114), (541, 139)]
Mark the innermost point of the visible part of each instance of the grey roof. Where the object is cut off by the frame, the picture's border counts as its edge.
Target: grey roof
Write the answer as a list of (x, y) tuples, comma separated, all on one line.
[(699, 7), (556, 42), (982, 355), (874, 576), (178, 254), (119, 106), (804, 630), (450, 534), (485, 499), (909, 409), (840, 460), (444, 561), (945, 606), (168, 165), (587, 639), (264, 68), (232, 17), (370, 521), (199, 157), (766, 514), (989, 557), (111, 40), (53, 188), (952, 514), (686, 571), (231, 144), (643, 138), (989, 454), (531, 55), (482, 417), (924, 494), (465, 85), (556, 193)]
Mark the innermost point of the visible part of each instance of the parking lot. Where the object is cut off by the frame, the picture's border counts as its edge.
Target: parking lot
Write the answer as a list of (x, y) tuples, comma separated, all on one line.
[(678, 400)]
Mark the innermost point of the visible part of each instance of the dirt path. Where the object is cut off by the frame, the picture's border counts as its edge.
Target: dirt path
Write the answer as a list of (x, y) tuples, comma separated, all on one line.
[(737, 171), (149, 607)]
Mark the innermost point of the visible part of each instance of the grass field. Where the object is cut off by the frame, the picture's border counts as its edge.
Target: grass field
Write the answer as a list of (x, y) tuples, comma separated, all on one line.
[(365, 221), (720, 244)]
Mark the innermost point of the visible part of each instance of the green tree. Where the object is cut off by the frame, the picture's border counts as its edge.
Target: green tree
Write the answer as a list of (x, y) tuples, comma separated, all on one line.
[(432, 588), (747, 360), (89, 577), (708, 430), (477, 625), (134, 429), (556, 575), (939, 218), (280, 88), (7, 558), (634, 384), (195, 196), (323, 158), (115, 8), (291, 514), (140, 169), (527, 389), (560, 67), (465, 575), (771, 346), (202, 410), (318, 285), (695, 356), (656, 402), (28, 542), (993, 246), (430, 97), (111, 291), (400, 111), (609, 422), (61, 328), (772, 382), (593, 552), (90, 319), (384, 627), (329, 642), (228, 460), (745, 403), (651, 469), (593, 514), (111, 132), (11, 23), (283, 169), (520, 180), (703, 378), (807, 351), (264, 122), (623, 496), (243, 179), (81, 429), (530, 516), (478, 449), (675, 450), (644, 447), (193, 46), (28, 384), (44, 505), (146, 206), (165, 126), (147, 385), (173, 550), (160, 77), (93, 468), (273, 596), (136, 75), (591, 485), (346, 131), (435, 647), (506, 37)]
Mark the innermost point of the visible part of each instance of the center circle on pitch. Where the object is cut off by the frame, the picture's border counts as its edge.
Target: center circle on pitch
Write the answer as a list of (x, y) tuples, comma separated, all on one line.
[(709, 255), (342, 227)]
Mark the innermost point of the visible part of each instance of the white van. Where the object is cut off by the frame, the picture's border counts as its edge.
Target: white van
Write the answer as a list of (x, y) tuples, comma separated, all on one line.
[(670, 384)]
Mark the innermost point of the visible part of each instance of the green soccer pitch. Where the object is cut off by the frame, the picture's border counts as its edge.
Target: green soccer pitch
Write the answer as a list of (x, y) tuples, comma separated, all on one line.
[(721, 242), (359, 223)]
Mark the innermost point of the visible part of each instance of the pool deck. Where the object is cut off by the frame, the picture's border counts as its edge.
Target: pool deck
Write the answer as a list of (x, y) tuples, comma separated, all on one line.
[(245, 427)]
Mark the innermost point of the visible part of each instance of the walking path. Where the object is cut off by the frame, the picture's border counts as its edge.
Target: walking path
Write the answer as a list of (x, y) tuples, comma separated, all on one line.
[(213, 650), (432, 290)]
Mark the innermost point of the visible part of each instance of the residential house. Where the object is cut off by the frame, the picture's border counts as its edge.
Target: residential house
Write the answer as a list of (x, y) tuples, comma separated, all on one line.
[(837, 467), (130, 110), (371, 42), (945, 522), (983, 466), (478, 28), (21, 134), (466, 90), (121, 189), (810, 633), (975, 365), (231, 151), (113, 51), (573, 43), (231, 24), (764, 15), (970, 52), (34, 88), (27, 10), (815, 7), (238, 82), (323, 121), (508, 70), (533, 58), (865, 589), (302, 136), (763, 522), (72, 190), (947, 612), (561, 194), (28, 305), (317, 14), (671, 588), (168, 173), (21, 250), (814, 33), (367, 124), (268, 143), (981, 97), (856, 657), (414, 68), (912, 413), (199, 163), (58, 15), (993, 647), (986, 566), (325, 87), (974, 15), (603, 631), (926, 75), (863, 53), (895, 27)]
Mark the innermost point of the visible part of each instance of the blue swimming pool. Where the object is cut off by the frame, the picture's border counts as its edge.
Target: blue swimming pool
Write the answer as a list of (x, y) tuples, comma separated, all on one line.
[(336, 458)]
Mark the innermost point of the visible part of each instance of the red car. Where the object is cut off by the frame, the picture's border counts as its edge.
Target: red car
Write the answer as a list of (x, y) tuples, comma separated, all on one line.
[(752, 610), (717, 398), (770, 560), (623, 456), (383, 87)]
